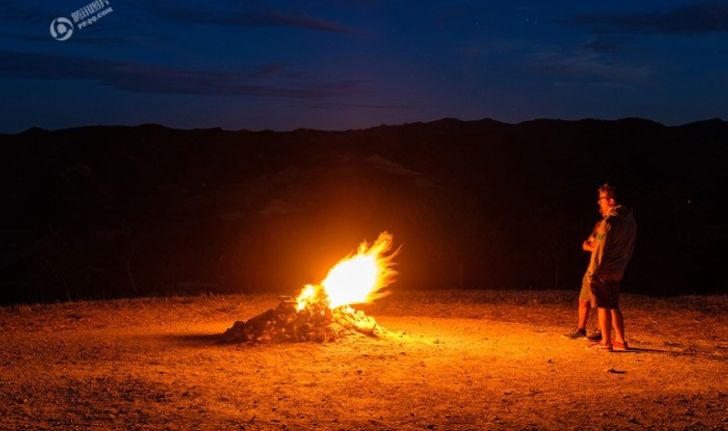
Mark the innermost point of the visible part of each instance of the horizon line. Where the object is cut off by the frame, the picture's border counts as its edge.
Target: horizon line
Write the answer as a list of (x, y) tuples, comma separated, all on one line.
[(37, 129)]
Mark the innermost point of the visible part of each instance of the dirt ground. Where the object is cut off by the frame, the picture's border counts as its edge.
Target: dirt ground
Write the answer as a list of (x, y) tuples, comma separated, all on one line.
[(452, 360)]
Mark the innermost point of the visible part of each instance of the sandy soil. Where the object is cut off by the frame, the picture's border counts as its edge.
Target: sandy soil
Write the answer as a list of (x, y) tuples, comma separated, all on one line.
[(453, 360)]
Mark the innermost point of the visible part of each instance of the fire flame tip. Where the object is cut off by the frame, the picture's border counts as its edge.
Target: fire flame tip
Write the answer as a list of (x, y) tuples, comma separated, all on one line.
[(357, 278)]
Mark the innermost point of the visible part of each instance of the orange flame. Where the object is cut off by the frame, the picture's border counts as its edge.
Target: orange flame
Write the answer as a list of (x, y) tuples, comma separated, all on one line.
[(357, 278)]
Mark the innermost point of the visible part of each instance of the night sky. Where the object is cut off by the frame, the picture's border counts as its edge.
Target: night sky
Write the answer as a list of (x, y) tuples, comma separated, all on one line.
[(343, 64)]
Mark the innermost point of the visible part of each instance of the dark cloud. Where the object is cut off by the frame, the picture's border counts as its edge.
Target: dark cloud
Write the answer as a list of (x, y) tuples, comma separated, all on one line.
[(88, 40), (19, 37), (694, 19), (146, 78), (183, 14), (601, 47), (20, 13)]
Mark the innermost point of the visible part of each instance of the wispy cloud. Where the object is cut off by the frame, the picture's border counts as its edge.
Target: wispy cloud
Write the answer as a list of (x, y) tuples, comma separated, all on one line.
[(146, 78), (188, 15), (20, 37), (694, 19), (20, 18), (361, 106), (586, 67), (491, 46)]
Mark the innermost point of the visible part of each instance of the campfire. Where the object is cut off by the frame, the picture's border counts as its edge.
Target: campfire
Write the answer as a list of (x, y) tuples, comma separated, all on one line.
[(323, 312)]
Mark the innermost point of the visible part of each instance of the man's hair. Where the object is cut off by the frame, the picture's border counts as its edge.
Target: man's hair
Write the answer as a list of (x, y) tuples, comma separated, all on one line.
[(609, 191)]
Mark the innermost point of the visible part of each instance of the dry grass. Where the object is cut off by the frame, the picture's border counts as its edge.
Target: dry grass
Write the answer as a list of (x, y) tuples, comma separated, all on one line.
[(453, 360)]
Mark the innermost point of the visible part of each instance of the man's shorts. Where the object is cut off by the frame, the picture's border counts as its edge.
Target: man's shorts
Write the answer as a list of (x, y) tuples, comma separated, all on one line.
[(604, 293)]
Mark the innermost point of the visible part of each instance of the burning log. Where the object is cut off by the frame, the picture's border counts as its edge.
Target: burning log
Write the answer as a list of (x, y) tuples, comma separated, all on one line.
[(317, 322), (322, 312)]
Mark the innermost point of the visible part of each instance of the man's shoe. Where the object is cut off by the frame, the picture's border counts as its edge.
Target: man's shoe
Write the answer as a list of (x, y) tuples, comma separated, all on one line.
[(595, 336), (620, 347), (599, 347), (579, 333)]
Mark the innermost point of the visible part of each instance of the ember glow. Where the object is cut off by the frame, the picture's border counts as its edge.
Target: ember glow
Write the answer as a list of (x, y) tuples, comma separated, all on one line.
[(358, 278)]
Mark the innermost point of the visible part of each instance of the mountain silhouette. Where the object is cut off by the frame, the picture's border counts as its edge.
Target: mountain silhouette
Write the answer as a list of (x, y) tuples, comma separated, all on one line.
[(116, 211)]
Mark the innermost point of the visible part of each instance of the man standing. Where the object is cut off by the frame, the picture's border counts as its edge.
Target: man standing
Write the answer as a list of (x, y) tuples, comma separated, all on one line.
[(589, 245), (611, 246), (613, 250)]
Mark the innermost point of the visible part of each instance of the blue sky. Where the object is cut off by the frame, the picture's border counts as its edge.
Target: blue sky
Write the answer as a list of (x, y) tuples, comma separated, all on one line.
[(346, 64)]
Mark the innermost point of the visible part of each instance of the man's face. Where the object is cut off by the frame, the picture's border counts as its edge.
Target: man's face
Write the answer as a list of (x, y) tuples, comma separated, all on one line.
[(605, 204)]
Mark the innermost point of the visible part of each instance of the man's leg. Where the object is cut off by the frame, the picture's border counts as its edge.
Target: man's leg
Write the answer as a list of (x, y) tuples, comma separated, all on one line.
[(604, 316), (584, 304), (584, 307), (582, 311), (617, 324)]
